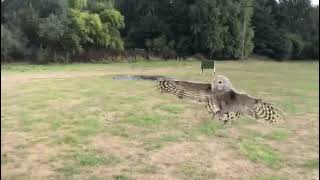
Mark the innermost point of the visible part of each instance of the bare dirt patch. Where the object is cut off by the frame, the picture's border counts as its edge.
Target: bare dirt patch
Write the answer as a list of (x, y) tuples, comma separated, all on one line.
[(154, 177), (126, 150), (213, 158), (116, 146), (300, 146), (210, 157), (60, 104), (25, 158)]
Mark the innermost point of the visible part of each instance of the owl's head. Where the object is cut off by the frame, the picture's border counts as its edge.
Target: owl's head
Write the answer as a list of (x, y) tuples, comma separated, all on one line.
[(221, 83)]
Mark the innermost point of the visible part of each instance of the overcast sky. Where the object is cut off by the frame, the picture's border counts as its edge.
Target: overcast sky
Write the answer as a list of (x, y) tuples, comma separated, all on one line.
[(315, 2)]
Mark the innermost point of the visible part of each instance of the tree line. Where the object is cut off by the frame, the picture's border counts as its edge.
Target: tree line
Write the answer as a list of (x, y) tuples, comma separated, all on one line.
[(64, 30)]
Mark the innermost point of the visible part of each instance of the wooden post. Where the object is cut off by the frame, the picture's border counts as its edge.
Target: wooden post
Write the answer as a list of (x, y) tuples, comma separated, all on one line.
[(214, 71)]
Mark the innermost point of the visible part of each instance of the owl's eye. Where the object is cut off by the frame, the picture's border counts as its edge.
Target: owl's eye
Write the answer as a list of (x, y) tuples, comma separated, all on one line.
[(219, 82)]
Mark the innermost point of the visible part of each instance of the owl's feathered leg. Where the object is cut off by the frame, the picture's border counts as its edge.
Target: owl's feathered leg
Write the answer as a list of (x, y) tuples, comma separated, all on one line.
[(212, 108), (228, 117)]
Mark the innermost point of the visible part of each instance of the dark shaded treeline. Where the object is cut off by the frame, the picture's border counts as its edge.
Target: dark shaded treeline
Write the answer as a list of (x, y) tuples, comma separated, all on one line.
[(61, 30)]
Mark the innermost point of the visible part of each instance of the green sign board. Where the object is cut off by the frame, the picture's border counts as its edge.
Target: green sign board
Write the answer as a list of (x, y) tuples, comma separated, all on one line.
[(208, 64)]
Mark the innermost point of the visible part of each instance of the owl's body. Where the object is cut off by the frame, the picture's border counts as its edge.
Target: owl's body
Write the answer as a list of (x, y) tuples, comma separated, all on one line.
[(221, 99)]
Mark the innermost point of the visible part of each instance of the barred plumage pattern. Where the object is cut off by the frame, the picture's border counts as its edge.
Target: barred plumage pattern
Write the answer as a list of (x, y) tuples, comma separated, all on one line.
[(173, 87), (211, 106), (267, 112), (227, 107)]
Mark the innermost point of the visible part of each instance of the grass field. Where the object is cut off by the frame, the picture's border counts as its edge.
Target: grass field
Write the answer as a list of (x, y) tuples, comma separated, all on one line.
[(76, 122)]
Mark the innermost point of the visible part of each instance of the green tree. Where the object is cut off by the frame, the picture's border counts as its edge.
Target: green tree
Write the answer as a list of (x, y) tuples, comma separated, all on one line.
[(12, 44), (286, 29), (212, 27), (218, 28), (97, 26), (59, 26), (265, 27)]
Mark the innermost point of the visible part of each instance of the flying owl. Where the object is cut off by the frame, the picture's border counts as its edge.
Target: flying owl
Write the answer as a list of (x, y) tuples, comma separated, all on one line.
[(221, 99)]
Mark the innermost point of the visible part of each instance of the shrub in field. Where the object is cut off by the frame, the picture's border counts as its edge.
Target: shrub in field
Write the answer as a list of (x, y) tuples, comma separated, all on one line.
[(12, 44)]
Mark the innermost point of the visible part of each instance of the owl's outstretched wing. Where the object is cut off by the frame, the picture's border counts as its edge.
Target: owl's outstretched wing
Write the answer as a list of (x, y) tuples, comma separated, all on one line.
[(252, 107), (195, 91)]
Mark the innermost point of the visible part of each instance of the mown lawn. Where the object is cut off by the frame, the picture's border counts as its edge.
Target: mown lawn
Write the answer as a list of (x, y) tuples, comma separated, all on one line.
[(75, 122)]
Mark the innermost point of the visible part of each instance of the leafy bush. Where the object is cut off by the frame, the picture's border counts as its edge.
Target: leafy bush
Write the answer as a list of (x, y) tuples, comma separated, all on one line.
[(161, 47), (297, 45), (12, 44), (42, 56), (52, 30), (63, 59), (282, 47)]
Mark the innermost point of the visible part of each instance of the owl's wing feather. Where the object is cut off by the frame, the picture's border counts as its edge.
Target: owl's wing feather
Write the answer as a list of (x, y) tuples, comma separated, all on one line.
[(255, 108), (195, 91)]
